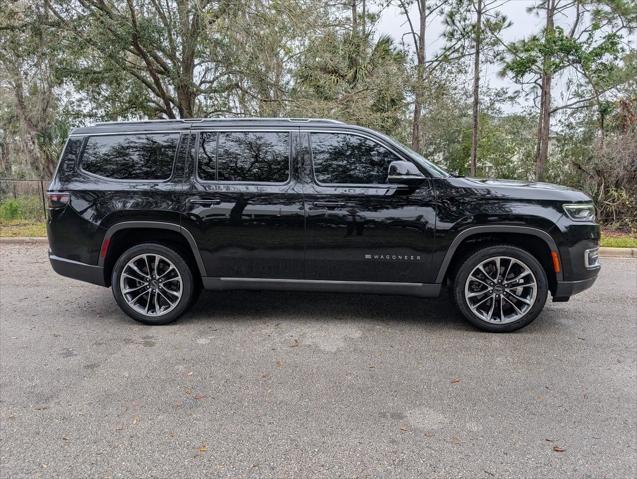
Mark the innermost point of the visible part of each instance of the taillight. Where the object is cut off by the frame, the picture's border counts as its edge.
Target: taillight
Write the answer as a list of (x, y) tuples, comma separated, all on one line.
[(57, 200)]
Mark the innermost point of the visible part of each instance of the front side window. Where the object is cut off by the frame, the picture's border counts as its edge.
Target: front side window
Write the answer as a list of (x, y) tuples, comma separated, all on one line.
[(244, 156), (341, 158), (131, 157)]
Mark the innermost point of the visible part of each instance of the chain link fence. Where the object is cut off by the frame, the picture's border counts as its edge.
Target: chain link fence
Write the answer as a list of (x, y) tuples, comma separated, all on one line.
[(23, 200)]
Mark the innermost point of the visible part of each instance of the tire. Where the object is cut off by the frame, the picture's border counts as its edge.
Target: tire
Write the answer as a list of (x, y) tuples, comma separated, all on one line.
[(162, 298), (500, 305)]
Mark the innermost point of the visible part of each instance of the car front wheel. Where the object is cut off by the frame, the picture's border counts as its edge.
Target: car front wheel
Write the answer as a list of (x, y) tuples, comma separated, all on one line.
[(152, 283), (501, 288)]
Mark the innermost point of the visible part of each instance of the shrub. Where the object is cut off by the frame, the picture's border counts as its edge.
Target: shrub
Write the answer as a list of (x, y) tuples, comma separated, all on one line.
[(27, 208)]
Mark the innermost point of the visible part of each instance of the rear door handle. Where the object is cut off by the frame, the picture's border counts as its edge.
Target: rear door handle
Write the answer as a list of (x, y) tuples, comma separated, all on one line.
[(205, 202), (328, 204)]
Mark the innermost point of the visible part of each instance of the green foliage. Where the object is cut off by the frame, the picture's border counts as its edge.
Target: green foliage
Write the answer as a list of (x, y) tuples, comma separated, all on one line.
[(27, 208), (619, 241), (352, 79), (9, 210)]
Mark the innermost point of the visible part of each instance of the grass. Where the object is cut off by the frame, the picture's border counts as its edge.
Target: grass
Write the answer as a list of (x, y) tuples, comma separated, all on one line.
[(619, 240), (26, 228), (26, 208), (22, 216)]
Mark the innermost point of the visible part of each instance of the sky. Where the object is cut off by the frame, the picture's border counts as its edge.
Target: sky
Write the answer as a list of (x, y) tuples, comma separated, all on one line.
[(393, 23)]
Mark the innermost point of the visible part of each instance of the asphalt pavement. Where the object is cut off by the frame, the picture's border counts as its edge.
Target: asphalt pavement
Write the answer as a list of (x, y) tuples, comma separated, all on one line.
[(268, 384)]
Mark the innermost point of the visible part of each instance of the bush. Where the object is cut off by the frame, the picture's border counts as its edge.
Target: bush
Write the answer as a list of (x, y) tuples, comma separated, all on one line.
[(9, 210), (28, 208)]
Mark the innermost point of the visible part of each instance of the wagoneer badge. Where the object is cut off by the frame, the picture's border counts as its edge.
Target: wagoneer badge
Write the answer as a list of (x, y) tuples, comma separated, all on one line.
[(393, 257)]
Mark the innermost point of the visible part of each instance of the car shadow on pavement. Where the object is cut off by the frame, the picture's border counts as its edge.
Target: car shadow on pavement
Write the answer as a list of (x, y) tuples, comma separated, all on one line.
[(436, 313)]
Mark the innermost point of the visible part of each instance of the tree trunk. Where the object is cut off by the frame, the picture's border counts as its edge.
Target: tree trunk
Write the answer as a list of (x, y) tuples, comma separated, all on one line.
[(545, 101), (420, 77), (476, 91), (354, 19), (189, 31), (364, 18)]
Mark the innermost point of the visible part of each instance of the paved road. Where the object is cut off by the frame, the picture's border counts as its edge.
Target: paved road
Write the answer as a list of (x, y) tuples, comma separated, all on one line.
[(311, 385)]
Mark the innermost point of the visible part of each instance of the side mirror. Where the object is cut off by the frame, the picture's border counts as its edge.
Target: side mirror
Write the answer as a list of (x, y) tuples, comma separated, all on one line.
[(404, 173)]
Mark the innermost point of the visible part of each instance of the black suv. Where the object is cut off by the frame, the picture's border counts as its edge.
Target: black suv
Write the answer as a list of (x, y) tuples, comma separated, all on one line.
[(159, 210)]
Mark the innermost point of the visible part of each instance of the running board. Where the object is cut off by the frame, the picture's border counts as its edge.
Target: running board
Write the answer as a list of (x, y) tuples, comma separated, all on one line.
[(371, 287)]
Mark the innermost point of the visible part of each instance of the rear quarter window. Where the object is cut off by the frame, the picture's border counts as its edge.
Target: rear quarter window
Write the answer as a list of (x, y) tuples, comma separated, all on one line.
[(131, 157)]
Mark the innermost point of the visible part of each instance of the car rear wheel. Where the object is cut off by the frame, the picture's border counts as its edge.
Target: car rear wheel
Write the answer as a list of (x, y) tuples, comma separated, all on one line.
[(153, 284), (500, 288)]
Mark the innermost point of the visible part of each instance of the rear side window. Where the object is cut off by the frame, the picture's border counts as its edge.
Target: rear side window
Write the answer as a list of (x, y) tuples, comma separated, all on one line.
[(341, 158), (131, 157), (69, 158), (253, 156)]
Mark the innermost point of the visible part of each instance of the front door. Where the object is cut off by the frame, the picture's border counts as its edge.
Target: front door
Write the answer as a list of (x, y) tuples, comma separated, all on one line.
[(245, 206), (359, 227)]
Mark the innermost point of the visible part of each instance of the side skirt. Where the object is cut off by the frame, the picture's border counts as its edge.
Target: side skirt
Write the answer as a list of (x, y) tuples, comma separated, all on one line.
[(407, 289)]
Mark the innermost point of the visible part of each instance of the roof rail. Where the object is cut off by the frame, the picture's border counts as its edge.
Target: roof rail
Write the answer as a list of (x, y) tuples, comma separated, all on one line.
[(192, 120)]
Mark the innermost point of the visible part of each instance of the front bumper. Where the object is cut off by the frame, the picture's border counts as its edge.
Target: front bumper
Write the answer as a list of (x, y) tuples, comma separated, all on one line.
[(565, 289), (77, 270)]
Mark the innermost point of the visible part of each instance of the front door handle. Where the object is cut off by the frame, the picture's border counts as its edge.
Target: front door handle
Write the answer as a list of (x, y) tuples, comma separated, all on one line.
[(328, 204), (205, 202)]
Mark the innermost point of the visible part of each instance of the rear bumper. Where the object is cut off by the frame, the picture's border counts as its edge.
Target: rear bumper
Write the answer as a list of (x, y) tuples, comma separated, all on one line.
[(76, 270), (565, 289)]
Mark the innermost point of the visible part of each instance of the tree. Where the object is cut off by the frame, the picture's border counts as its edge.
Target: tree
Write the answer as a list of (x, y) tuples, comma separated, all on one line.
[(474, 25), (263, 45), (157, 44), (477, 40), (589, 47), (31, 110), (346, 73), (417, 31)]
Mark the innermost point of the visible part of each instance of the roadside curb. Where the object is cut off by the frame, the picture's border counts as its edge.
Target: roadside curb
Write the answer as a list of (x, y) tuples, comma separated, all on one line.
[(603, 251)]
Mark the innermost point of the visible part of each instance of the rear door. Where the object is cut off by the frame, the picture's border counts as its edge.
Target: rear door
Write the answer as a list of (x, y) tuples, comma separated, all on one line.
[(245, 206), (359, 227)]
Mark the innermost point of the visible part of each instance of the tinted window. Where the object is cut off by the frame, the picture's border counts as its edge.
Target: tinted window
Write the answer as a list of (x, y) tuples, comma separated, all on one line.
[(245, 156), (69, 157), (131, 157), (207, 156), (343, 158)]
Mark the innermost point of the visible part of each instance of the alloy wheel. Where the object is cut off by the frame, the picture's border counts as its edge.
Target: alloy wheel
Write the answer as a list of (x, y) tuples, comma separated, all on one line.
[(151, 284), (500, 290)]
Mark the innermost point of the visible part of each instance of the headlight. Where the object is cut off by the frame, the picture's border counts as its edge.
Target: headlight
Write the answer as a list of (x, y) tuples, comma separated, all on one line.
[(580, 212)]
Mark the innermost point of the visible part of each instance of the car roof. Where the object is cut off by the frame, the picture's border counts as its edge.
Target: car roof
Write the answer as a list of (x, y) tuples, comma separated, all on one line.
[(202, 123)]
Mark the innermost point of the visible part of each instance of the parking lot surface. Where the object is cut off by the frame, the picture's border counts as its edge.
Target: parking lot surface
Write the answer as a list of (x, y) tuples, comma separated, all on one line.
[(264, 384)]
